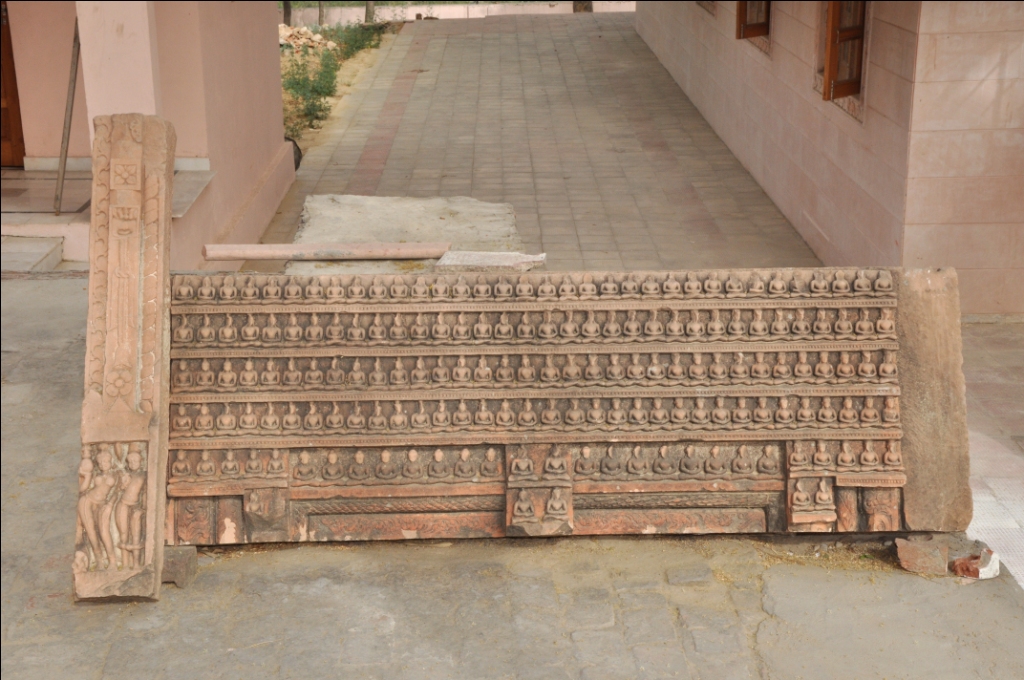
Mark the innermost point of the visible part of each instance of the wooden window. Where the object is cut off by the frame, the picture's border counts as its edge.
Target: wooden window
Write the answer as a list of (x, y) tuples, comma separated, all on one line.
[(844, 49), (752, 19)]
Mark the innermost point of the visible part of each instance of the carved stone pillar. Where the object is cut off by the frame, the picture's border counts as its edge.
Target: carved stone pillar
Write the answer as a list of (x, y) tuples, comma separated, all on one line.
[(119, 541)]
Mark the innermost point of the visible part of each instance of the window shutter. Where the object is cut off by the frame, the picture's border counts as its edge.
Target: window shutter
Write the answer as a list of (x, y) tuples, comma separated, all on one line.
[(844, 49), (752, 19)]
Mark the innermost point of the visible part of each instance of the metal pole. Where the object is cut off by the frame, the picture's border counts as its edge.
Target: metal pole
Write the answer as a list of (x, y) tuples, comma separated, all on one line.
[(75, 48)]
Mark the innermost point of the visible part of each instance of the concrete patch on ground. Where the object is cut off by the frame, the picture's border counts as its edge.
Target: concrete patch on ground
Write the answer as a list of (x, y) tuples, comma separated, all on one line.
[(468, 224)]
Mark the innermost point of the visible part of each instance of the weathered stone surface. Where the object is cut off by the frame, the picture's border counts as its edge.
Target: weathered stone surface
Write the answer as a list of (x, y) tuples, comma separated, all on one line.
[(937, 496), (119, 533), (180, 565), (923, 554)]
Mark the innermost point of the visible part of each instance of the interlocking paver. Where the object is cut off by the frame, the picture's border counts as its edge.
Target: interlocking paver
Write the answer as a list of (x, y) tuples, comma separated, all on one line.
[(570, 119)]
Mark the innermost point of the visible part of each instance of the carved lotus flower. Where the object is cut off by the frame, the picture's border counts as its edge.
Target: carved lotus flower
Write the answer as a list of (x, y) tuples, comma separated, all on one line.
[(119, 382), (125, 174)]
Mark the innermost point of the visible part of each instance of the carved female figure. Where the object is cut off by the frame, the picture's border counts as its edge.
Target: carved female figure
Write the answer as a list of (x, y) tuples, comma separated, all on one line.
[(95, 506)]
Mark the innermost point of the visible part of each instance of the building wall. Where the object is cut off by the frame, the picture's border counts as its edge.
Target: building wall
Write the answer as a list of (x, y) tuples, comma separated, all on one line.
[(965, 194), (839, 180), (211, 68), (928, 173), (41, 37), (241, 94)]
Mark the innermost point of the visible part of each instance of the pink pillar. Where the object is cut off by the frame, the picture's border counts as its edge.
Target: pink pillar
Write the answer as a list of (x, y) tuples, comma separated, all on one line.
[(119, 58)]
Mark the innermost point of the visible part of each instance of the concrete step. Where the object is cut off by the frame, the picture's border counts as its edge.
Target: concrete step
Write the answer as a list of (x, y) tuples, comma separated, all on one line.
[(30, 254)]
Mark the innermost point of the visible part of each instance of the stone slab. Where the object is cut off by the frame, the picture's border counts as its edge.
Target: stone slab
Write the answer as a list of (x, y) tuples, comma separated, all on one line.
[(937, 496), (121, 473), (473, 261), (467, 223)]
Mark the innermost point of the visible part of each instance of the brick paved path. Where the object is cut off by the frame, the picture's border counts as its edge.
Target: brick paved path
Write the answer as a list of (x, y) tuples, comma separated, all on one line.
[(572, 120)]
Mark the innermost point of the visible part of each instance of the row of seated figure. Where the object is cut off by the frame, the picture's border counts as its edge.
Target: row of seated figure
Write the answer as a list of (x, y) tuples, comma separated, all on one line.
[(801, 500), (847, 458), (692, 461), (332, 467), (609, 413), (568, 287), (517, 371), (477, 327)]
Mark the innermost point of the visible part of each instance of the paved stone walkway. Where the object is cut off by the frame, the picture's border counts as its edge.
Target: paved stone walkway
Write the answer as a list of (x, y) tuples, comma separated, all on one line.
[(573, 121), (646, 607)]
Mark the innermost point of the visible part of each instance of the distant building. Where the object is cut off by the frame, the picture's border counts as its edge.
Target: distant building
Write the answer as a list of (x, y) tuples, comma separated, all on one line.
[(889, 133)]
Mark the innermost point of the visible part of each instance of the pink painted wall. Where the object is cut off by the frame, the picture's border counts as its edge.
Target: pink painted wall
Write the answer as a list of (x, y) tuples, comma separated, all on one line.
[(840, 181), (179, 42), (41, 36), (965, 195), (241, 94), (211, 68)]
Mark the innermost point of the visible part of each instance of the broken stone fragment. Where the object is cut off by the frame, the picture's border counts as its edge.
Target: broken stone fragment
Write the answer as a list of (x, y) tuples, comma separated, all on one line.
[(983, 566), (923, 554)]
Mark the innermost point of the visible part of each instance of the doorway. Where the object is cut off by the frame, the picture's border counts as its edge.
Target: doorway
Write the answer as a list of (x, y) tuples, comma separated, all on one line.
[(12, 147)]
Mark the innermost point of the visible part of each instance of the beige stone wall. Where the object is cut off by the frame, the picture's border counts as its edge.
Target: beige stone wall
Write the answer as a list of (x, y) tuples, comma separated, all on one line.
[(965, 193), (841, 181), (929, 171)]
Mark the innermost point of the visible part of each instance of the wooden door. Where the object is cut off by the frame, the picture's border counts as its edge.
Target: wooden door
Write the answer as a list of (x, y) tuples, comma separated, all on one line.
[(13, 142)]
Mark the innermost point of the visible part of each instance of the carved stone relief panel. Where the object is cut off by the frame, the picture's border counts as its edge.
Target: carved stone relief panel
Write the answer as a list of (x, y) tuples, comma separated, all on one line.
[(121, 507)]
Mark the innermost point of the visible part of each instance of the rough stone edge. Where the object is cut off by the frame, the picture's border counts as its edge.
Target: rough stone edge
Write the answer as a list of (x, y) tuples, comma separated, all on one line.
[(933, 401)]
